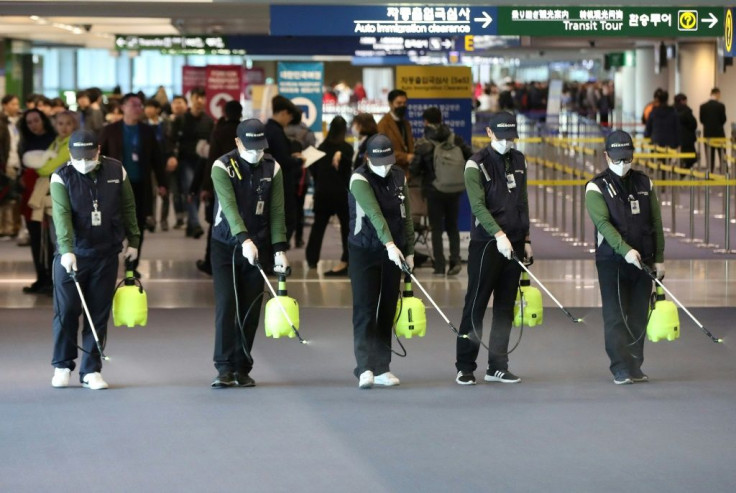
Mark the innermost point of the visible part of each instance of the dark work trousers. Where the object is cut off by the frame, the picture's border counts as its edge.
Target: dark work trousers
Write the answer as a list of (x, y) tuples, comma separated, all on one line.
[(139, 192), (187, 169), (208, 209), (443, 210), (41, 249), (324, 209), (712, 152), (290, 204), (488, 274), (375, 282), (229, 355), (617, 276), (97, 277), (172, 193)]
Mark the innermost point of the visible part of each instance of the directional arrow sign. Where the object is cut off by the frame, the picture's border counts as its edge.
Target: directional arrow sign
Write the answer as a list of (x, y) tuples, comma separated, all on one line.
[(712, 20), (485, 19)]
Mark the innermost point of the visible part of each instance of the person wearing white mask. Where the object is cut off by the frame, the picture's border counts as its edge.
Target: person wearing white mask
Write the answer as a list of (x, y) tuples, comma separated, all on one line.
[(380, 244), (495, 179), (249, 227), (624, 208), (93, 209)]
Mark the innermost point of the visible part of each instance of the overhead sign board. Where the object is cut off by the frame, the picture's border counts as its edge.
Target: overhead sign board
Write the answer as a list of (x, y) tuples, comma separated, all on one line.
[(418, 20), (641, 22), (170, 43), (364, 20)]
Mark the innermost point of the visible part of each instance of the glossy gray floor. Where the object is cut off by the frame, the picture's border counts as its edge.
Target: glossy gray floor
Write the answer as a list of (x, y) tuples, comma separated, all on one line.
[(307, 427), (172, 281)]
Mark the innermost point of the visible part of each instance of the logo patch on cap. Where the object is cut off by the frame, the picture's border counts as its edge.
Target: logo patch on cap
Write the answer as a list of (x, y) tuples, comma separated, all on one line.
[(625, 144), (254, 135), (506, 125), (82, 144)]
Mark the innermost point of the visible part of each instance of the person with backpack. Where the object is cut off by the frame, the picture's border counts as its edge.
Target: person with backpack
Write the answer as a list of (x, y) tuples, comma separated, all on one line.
[(440, 162), (495, 178)]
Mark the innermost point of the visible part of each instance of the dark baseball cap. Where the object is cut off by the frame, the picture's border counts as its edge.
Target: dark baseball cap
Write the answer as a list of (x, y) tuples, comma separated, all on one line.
[(380, 151), (83, 145), (503, 125), (252, 133), (619, 146)]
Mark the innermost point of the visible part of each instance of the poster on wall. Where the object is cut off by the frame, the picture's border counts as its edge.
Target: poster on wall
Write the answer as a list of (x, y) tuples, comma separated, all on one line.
[(252, 77), (192, 77), (451, 90), (448, 88), (223, 83), (302, 83)]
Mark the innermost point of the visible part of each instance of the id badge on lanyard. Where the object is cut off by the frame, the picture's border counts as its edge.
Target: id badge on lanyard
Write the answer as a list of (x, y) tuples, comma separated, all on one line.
[(510, 181), (635, 209), (96, 215), (402, 207)]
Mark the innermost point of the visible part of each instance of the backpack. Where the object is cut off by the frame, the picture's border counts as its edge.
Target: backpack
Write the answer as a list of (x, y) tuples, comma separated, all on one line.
[(449, 167)]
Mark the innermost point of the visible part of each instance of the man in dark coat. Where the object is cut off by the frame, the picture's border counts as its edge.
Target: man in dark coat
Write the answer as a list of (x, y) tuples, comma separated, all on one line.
[(663, 124), (291, 163), (713, 117), (688, 126), (134, 144)]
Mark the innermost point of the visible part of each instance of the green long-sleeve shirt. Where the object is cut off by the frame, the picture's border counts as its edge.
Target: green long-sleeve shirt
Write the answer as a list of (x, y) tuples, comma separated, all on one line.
[(62, 214), (61, 147), (229, 204), (366, 199), (599, 214), (477, 198)]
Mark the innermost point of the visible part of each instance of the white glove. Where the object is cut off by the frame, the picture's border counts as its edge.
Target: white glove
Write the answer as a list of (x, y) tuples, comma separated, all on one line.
[(410, 262), (69, 262), (528, 254), (394, 254), (659, 268), (633, 257), (504, 246), (280, 263), (131, 254), (250, 251)]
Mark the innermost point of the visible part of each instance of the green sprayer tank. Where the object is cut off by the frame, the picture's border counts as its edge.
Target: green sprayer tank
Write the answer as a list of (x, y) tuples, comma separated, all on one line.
[(411, 315), (530, 298), (664, 321), (276, 324), (130, 304)]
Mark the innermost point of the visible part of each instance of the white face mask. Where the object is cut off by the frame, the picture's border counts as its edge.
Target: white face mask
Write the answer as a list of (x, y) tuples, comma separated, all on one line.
[(253, 156), (84, 166), (381, 171), (502, 146), (619, 167)]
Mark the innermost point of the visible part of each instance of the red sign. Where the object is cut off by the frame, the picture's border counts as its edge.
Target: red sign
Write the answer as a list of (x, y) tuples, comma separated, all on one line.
[(224, 83), (192, 77)]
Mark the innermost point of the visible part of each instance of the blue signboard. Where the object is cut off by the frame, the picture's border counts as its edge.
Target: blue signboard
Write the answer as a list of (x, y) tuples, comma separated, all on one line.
[(455, 114), (374, 20), (303, 84)]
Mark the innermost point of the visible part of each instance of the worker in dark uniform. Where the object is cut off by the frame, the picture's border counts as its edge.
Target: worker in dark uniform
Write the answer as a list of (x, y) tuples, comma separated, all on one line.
[(625, 211), (379, 243), (93, 212), (248, 226), (495, 179)]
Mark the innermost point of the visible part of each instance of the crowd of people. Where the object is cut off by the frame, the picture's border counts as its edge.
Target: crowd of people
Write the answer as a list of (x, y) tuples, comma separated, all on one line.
[(675, 126)]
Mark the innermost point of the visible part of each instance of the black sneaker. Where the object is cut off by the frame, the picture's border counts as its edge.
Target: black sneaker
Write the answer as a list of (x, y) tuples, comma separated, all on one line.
[(197, 232), (204, 267), (164, 225), (454, 270), (224, 379), (639, 377), (465, 378), (503, 376), (179, 224), (622, 379), (439, 273), (244, 380)]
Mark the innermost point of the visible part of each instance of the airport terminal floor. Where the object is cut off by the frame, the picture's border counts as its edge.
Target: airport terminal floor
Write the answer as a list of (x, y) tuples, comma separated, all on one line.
[(306, 426)]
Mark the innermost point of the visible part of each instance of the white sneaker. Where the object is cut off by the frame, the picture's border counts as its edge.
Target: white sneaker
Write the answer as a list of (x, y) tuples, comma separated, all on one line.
[(387, 379), (366, 380), (94, 381), (61, 378)]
